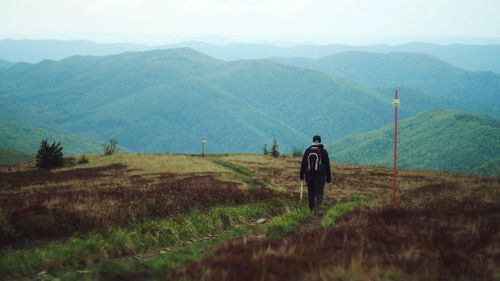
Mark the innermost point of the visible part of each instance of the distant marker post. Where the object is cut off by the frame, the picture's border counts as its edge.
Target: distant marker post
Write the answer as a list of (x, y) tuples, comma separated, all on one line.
[(395, 104), (203, 142)]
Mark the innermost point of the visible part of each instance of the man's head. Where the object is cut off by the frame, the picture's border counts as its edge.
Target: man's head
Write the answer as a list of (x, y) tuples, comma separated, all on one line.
[(317, 139)]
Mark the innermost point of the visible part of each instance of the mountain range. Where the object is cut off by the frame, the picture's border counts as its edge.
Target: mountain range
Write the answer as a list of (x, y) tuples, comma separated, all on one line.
[(411, 70), (471, 57), (168, 100), (34, 51)]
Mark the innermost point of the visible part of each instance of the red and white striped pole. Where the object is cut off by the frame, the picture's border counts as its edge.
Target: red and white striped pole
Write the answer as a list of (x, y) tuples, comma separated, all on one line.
[(395, 104)]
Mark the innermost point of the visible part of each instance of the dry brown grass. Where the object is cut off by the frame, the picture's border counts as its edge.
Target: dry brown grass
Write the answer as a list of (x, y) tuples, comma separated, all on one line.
[(114, 190), (444, 228)]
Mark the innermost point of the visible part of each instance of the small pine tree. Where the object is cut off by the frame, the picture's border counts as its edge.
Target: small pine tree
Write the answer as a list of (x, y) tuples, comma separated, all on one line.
[(110, 147), (49, 156), (264, 150), (274, 149)]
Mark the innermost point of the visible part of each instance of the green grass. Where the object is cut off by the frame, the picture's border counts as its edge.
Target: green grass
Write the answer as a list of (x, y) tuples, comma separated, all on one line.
[(341, 209), (117, 241), (238, 168), (288, 222), (245, 174), (156, 267), (293, 217)]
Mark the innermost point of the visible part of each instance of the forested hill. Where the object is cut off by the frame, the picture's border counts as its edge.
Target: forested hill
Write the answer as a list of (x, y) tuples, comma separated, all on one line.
[(26, 139), (415, 71), (437, 139), (4, 64)]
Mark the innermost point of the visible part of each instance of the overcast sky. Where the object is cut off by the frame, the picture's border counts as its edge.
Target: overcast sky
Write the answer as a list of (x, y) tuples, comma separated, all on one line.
[(322, 21)]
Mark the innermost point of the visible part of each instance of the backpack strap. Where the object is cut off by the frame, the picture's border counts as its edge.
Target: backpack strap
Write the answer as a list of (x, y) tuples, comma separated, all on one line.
[(318, 163)]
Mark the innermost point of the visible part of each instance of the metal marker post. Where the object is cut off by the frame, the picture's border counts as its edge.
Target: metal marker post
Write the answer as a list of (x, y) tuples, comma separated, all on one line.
[(395, 104), (203, 141)]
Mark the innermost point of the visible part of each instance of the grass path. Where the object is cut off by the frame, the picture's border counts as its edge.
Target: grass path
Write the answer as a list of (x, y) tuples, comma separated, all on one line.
[(78, 253), (296, 219), (154, 263), (244, 174)]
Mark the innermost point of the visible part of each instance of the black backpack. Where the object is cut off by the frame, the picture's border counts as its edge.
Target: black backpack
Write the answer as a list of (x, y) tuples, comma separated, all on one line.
[(314, 162)]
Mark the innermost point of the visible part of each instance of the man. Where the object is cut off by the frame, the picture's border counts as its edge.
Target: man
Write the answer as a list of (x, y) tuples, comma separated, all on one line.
[(315, 169)]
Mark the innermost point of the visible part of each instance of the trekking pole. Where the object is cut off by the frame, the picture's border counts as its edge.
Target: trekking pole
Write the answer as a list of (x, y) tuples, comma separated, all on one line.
[(301, 189)]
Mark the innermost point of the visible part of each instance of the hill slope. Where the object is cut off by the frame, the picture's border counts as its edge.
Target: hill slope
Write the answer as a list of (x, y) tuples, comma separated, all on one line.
[(416, 71), (4, 64), (436, 139), (27, 139), (11, 156)]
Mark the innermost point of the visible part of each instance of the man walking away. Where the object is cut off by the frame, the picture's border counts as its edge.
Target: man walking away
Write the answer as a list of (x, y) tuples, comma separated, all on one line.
[(315, 169)]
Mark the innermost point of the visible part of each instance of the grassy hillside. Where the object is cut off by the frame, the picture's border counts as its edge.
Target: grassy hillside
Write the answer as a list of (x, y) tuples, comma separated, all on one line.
[(27, 139), (436, 139), (238, 217), (416, 71), (168, 100), (11, 156)]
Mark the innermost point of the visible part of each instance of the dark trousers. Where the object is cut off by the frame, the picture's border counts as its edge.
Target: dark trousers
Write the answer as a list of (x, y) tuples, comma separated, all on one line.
[(315, 186)]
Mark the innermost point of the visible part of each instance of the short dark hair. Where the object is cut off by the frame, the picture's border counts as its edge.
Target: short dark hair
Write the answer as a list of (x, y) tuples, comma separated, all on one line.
[(316, 138)]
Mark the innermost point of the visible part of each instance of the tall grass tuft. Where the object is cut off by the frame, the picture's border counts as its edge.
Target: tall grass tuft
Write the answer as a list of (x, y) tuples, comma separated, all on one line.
[(289, 222), (341, 209)]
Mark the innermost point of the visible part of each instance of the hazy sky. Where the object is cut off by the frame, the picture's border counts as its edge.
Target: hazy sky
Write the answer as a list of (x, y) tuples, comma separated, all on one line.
[(249, 20)]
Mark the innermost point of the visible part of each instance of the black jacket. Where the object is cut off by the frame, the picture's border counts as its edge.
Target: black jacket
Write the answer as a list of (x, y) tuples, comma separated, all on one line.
[(324, 157)]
